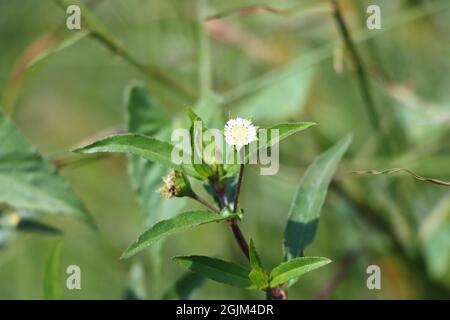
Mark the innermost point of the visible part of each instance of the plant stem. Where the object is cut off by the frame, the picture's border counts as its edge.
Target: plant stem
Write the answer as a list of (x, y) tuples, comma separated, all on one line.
[(205, 203), (222, 196), (239, 236), (100, 33), (237, 233), (273, 293), (276, 294), (360, 69), (147, 69), (238, 188)]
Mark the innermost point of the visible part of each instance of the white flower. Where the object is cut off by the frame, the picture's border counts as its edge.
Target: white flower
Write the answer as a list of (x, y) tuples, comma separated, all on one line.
[(240, 132)]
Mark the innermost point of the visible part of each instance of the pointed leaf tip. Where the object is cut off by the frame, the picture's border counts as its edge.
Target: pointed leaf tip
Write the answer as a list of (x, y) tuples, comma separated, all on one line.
[(307, 204)]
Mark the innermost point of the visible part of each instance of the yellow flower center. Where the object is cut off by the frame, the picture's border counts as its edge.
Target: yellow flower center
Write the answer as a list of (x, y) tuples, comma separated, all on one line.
[(239, 133)]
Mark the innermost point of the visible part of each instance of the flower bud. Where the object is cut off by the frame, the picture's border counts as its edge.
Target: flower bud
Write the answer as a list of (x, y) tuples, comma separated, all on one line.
[(176, 185)]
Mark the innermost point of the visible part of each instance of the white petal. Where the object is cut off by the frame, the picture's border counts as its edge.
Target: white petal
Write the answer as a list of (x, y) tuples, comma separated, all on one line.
[(240, 132), (231, 122)]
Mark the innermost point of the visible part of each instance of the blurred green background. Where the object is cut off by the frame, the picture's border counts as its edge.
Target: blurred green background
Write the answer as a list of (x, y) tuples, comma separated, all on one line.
[(277, 66)]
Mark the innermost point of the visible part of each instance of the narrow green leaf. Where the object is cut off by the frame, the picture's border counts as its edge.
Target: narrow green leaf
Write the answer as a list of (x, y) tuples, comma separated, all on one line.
[(285, 130), (295, 268), (30, 182), (181, 222), (305, 209), (145, 116), (258, 275), (136, 144), (52, 278), (217, 270), (196, 134), (193, 116), (185, 286)]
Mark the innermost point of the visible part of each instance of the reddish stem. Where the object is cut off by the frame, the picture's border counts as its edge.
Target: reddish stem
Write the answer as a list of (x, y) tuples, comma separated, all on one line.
[(240, 239), (273, 293)]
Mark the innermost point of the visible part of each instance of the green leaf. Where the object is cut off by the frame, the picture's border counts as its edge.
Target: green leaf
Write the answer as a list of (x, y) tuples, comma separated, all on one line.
[(258, 275), (295, 268), (196, 134), (149, 148), (185, 286), (146, 117), (28, 181), (181, 222), (136, 144), (285, 130), (217, 270), (305, 209), (52, 278), (281, 100)]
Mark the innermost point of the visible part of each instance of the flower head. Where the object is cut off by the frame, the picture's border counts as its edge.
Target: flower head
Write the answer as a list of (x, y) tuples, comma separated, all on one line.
[(176, 185), (240, 132)]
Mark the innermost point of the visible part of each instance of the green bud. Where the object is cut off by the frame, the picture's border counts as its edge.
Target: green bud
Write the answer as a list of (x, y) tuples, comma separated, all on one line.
[(226, 212)]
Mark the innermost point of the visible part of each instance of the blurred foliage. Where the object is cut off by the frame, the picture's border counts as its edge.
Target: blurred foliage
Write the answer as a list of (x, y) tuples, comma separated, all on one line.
[(276, 65)]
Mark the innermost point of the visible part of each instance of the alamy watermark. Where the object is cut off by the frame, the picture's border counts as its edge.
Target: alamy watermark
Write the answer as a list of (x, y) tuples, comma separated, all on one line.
[(73, 21), (374, 20), (374, 280), (73, 281)]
